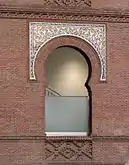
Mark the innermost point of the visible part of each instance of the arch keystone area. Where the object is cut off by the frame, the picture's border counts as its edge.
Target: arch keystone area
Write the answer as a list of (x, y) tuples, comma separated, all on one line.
[(42, 32)]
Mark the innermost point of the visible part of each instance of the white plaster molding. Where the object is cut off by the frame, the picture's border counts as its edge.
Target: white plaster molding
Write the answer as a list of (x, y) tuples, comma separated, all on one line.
[(42, 32), (66, 133)]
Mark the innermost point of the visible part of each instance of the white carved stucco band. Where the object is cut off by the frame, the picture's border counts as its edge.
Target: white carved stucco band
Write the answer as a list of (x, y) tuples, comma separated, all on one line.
[(42, 32)]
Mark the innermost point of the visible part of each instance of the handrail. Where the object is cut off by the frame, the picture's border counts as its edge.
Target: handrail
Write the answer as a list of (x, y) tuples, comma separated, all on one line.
[(51, 92)]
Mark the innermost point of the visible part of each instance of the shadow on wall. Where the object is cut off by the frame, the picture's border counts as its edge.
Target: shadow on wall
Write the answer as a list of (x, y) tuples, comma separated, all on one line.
[(67, 72)]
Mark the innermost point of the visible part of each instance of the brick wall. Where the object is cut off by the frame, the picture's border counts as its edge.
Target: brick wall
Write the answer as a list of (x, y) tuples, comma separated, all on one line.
[(111, 115), (21, 101), (123, 4), (21, 152), (20, 112)]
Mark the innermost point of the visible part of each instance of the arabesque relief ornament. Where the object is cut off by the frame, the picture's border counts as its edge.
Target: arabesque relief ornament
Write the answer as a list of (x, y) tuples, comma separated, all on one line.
[(41, 33), (68, 3)]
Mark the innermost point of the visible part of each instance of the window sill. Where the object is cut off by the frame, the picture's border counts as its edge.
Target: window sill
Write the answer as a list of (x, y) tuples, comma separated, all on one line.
[(67, 136)]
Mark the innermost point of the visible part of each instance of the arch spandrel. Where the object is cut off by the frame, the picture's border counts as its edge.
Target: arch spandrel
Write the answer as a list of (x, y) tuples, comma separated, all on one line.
[(43, 32)]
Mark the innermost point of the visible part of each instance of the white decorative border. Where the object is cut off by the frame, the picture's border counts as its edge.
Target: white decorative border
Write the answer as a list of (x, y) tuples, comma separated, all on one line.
[(66, 134), (42, 32)]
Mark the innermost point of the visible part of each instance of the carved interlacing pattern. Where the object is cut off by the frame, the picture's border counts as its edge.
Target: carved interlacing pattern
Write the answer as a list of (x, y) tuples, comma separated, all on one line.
[(43, 32), (68, 3), (62, 150)]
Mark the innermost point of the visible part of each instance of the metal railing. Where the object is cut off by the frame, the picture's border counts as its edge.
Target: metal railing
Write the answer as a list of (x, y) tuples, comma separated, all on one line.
[(51, 92)]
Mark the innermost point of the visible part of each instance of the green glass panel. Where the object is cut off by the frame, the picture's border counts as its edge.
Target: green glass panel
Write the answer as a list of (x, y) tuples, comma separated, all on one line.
[(66, 114)]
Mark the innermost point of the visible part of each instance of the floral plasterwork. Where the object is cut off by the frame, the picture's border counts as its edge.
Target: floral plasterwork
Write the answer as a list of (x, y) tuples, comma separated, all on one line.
[(42, 32)]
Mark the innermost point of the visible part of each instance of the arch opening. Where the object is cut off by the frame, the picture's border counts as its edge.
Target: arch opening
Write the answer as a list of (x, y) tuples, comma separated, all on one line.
[(68, 95)]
